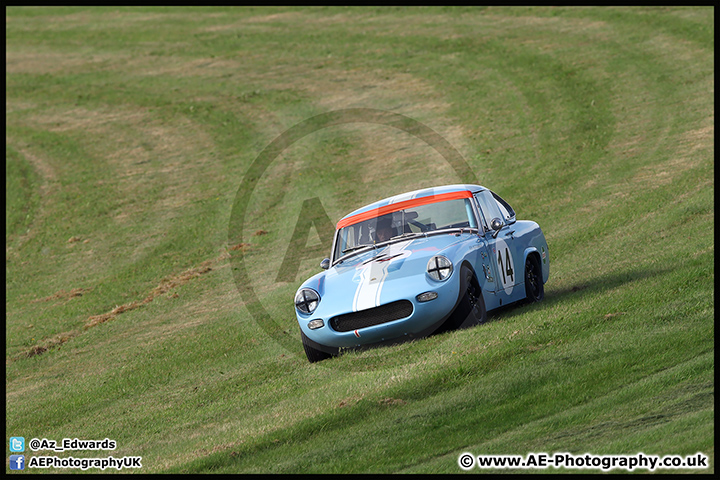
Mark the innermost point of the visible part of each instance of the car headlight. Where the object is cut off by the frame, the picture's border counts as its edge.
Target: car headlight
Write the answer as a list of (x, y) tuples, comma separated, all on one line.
[(439, 268), (306, 300)]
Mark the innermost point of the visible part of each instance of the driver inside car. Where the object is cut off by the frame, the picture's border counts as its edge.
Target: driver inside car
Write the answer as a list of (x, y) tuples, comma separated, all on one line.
[(384, 230)]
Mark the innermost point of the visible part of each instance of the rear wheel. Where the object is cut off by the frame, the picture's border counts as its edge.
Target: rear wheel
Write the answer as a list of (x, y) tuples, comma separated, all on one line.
[(534, 289), (470, 309), (314, 354)]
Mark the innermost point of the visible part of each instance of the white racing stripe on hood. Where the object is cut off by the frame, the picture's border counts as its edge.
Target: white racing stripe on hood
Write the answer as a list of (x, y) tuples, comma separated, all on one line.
[(373, 275)]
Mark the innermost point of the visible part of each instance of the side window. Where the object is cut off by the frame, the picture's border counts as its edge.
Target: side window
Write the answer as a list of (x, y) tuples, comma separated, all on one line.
[(483, 221), (488, 207), (507, 212)]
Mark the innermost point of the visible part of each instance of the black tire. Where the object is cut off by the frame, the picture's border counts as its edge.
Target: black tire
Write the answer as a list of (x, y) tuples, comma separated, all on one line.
[(470, 309), (315, 354), (534, 288)]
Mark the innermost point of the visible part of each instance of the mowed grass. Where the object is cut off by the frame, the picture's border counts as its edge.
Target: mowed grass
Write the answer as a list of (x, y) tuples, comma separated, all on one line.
[(129, 133)]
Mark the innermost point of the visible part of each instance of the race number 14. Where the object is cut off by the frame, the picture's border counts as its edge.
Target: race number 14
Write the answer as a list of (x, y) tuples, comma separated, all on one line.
[(507, 270)]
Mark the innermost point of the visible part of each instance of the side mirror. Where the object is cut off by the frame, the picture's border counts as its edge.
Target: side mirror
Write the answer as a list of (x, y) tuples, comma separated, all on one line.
[(325, 264), (496, 224)]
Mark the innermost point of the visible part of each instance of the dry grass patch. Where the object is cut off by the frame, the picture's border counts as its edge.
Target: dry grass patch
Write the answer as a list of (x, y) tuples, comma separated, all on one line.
[(689, 155), (165, 286), (63, 295)]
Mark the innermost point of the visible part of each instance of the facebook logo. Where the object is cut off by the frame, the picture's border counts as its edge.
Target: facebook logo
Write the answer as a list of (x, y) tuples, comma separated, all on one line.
[(17, 462), (17, 444)]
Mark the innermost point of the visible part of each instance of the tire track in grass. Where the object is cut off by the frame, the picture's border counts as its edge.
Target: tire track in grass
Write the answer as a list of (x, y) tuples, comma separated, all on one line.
[(166, 285)]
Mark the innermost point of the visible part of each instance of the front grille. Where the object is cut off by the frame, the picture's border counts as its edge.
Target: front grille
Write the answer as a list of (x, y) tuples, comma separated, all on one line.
[(372, 316)]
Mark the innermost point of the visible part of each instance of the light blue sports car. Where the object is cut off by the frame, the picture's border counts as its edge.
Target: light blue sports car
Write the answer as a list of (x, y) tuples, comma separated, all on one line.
[(417, 264)]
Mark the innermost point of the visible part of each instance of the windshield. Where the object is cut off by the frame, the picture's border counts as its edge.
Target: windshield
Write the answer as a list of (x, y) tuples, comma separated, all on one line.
[(402, 223)]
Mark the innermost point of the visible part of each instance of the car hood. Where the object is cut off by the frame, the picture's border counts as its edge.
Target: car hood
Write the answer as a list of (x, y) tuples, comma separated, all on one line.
[(378, 276)]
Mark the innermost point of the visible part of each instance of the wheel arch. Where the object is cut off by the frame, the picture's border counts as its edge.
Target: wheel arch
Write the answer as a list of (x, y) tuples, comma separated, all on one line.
[(476, 279), (480, 281), (544, 267), (531, 251)]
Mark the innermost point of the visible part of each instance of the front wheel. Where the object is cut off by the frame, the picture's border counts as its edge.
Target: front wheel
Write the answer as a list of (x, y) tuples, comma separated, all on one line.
[(470, 309), (534, 289), (314, 354)]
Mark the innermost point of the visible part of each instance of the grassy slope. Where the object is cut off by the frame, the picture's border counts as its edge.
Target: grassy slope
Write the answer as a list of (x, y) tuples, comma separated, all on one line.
[(128, 134)]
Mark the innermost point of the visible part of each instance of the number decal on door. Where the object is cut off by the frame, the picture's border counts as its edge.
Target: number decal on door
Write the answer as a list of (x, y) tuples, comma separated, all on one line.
[(507, 271), (506, 266)]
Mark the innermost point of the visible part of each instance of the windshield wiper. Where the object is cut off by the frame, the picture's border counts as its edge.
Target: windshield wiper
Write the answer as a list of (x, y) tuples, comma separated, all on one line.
[(356, 247), (376, 245), (458, 230), (408, 234)]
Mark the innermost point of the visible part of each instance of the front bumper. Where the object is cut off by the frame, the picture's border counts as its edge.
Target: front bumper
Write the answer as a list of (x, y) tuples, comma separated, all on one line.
[(424, 319)]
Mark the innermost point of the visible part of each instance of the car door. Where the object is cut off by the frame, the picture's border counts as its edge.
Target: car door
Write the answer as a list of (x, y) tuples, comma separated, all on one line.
[(506, 260)]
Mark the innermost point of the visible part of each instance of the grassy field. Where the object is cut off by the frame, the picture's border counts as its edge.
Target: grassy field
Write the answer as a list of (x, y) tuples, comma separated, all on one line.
[(141, 307)]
